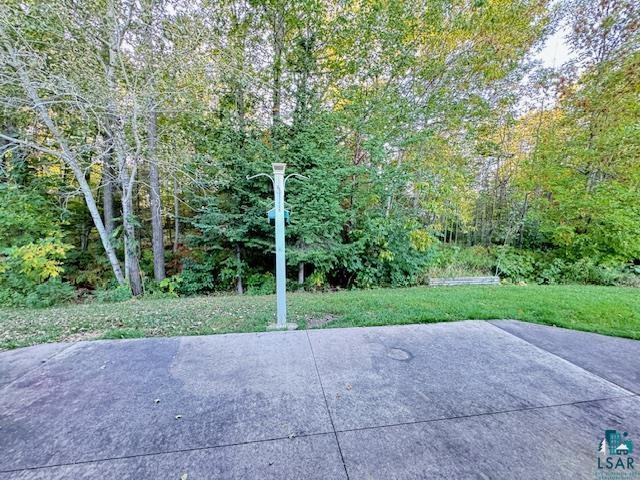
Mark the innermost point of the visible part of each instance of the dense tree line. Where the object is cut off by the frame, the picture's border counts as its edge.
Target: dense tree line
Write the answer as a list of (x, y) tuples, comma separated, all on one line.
[(429, 135)]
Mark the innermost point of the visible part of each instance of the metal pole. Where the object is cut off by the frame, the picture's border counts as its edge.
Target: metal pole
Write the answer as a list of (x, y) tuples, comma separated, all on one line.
[(279, 181), (281, 273)]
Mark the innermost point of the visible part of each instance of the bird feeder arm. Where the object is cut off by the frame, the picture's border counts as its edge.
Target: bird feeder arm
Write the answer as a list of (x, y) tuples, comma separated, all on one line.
[(302, 177), (262, 175)]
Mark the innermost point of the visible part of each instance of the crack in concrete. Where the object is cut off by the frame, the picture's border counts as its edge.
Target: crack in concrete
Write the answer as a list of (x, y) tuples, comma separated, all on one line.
[(490, 322), (326, 403), (334, 431)]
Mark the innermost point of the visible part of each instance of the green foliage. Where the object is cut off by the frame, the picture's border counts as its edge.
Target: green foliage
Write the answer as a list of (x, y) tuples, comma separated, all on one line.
[(121, 293), (10, 298), (170, 285), (29, 274), (459, 262), (166, 288), (26, 215), (587, 271), (529, 266), (50, 293), (316, 202), (46, 294), (587, 166), (198, 276), (552, 268), (261, 284), (515, 265), (87, 269), (33, 263), (31, 249), (551, 272), (406, 118), (317, 281), (385, 252)]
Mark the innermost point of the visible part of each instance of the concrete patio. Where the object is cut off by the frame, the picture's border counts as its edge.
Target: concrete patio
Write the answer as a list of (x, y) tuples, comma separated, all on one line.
[(474, 399)]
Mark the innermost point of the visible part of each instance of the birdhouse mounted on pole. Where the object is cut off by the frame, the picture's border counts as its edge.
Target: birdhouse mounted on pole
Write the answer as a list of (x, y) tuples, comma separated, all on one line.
[(271, 217)]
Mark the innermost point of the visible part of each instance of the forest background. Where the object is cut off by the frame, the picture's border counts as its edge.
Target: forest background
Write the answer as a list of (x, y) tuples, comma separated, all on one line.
[(434, 141)]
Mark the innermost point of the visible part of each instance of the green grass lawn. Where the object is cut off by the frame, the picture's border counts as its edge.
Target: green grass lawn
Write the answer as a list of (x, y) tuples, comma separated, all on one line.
[(608, 310)]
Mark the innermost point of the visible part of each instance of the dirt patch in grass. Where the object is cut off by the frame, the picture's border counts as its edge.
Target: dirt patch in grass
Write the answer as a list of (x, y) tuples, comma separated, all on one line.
[(320, 320)]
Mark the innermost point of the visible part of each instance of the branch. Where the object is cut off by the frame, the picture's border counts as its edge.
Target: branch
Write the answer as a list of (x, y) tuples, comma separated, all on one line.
[(35, 146)]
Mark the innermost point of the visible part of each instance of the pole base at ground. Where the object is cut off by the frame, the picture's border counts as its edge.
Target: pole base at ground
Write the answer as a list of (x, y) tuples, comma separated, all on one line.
[(287, 326)]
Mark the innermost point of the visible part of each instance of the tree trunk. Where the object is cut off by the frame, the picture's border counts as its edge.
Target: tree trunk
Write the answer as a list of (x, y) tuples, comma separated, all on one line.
[(108, 175), (4, 157), (239, 287), (127, 185), (444, 226), (156, 203), (157, 234), (85, 231), (301, 273), (457, 228), (176, 216), (70, 159), (130, 244), (118, 136), (522, 219)]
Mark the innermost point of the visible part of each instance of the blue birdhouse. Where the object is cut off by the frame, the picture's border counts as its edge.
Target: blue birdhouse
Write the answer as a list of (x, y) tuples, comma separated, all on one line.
[(271, 216)]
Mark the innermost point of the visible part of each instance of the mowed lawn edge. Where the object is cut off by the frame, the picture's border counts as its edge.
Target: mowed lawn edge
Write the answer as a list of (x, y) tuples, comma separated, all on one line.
[(607, 310)]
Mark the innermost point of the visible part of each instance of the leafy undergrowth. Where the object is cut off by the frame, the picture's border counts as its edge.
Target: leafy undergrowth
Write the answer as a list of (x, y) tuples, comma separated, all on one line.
[(608, 310)]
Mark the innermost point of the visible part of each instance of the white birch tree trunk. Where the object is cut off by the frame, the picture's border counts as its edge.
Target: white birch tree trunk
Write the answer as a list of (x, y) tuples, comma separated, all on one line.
[(68, 157)]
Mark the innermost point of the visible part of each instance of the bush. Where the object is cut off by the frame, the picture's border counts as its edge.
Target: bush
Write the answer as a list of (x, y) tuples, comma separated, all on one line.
[(167, 288), (121, 293), (583, 270), (261, 284), (26, 215), (551, 272), (516, 265), (550, 268), (455, 261), (589, 271), (11, 298), (50, 293), (629, 279), (610, 275), (317, 281), (197, 277), (30, 274), (89, 268), (24, 267)]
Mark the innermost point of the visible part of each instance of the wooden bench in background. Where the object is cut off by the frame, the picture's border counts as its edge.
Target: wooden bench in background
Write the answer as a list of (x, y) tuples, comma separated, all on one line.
[(451, 281)]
